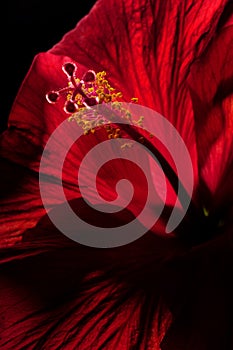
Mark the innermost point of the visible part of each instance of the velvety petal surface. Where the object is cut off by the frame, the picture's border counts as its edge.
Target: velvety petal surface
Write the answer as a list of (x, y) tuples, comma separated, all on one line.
[(66, 295), (147, 48), (88, 298), (211, 86)]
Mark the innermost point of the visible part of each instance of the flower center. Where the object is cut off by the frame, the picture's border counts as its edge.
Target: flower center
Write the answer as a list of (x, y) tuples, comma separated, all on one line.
[(82, 94), (94, 89), (88, 91)]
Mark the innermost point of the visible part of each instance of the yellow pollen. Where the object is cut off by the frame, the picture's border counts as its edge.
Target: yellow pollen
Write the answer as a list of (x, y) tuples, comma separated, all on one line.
[(206, 212), (126, 145), (101, 92)]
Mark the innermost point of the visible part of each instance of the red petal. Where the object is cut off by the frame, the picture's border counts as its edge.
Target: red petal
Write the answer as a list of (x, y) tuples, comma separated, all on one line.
[(148, 56), (211, 85), (81, 290), (31, 122), (147, 51)]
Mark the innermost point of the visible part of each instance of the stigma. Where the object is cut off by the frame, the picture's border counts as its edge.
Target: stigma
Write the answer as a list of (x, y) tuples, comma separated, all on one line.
[(85, 92), (81, 94)]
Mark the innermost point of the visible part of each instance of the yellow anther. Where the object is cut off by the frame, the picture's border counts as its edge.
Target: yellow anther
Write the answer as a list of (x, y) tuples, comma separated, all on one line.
[(206, 211), (102, 92), (118, 94), (128, 115), (107, 98), (126, 145)]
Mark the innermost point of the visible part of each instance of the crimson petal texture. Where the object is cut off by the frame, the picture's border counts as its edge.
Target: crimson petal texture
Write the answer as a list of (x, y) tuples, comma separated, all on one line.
[(63, 295), (147, 48), (211, 86)]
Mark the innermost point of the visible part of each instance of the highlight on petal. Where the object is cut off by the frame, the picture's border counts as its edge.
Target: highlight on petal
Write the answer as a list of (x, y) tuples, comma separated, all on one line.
[(145, 60), (148, 49)]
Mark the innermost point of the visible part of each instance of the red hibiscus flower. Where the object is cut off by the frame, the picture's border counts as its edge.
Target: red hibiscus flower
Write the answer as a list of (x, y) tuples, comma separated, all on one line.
[(159, 292)]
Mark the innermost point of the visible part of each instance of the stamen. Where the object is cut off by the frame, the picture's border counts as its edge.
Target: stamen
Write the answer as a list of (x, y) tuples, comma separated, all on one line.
[(82, 94), (88, 91), (92, 89)]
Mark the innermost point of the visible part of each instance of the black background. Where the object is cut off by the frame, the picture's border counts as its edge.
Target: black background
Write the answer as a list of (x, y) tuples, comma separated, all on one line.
[(32, 27)]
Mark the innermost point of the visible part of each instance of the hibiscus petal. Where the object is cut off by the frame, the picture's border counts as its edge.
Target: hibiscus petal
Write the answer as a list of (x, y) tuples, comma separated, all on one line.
[(31, 122), (87, 296), (211, 86), (147, 50)]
